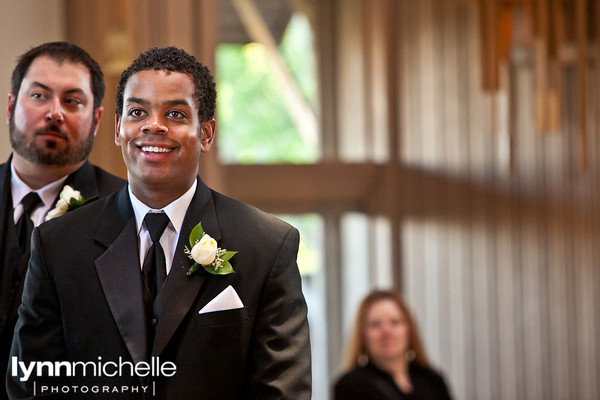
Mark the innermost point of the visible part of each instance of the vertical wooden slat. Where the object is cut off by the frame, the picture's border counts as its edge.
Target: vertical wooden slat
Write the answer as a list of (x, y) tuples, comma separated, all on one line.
[(454, 75), (393, 72), (556, 365), (367, 26), (460, 282), (581, 65), (325, 29), (204, 40), (489, 35), (334, 306), (558, 27), (351, 141), (531, 351), (452, 238), (411, 96), (586, 341), (505, 32), (482, 128), (505, 372), (556, 38), (541, 67), (594, 353)]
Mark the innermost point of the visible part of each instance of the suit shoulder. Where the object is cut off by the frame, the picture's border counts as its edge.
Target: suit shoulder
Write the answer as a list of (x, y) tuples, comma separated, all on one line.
[(240, 214), (77, 220), (107, 182)]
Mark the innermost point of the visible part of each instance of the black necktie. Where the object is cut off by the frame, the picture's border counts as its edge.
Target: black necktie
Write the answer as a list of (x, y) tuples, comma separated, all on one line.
[(155, 267), (24, 224)]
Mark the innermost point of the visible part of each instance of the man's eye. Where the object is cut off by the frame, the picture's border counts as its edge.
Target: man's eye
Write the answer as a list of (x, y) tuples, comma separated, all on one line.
[(176, 114), (136, 112), (37, 95), (73, 101)]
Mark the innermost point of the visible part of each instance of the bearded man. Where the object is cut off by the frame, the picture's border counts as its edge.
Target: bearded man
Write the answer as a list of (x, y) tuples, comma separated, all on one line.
[(53, 113)]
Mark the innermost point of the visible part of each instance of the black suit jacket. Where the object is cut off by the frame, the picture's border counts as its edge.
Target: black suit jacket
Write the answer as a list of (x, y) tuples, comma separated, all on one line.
[(91, 181), (84, 300)]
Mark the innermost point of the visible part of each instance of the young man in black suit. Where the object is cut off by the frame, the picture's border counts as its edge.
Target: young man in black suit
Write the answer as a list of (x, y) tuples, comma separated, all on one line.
[(199, 322), (53, 112)]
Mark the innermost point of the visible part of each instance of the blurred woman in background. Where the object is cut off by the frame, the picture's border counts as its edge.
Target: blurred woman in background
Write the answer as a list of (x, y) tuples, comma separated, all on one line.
[(386, 360)]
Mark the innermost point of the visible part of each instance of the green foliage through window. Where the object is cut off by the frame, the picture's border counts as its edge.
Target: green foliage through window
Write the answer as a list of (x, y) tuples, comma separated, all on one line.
[(253, 124)]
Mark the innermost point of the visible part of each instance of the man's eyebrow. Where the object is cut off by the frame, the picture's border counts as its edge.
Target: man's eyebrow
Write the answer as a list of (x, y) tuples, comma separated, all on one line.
[(41, 85), (178, 102), (75, 90), (138, 100)]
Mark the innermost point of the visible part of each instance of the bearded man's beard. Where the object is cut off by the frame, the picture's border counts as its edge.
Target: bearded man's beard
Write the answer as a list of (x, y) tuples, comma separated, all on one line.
[(46, 153)]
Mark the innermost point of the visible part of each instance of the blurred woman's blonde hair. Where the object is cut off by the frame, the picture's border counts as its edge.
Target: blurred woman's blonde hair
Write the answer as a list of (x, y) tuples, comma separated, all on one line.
[(357, 352)]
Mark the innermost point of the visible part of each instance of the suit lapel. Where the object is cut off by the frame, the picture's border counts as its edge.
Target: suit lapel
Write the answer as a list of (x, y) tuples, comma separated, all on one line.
[(8, 234), (118, 269), (10, 252), (6, 201), (84, 180), (180, 291)]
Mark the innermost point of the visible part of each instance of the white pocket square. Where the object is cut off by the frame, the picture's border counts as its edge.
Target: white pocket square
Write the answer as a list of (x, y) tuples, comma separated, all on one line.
[(228, 299)]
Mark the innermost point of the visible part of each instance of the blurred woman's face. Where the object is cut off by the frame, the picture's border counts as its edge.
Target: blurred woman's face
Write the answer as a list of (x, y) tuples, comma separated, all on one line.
[(386, 332)]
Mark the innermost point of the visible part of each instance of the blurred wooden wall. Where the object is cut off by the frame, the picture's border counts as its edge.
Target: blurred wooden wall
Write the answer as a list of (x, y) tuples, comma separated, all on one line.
[(503, 273), (498, 225)]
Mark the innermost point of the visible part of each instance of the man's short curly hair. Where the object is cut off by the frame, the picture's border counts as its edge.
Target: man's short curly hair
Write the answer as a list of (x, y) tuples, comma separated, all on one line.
[(176, 60)]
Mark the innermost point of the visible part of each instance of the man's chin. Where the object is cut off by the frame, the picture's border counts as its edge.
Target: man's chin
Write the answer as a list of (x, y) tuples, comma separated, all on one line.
[(52, 159)]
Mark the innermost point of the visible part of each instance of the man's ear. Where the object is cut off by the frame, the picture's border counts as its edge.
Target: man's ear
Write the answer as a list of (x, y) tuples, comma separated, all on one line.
[(10, 107), (97, 116), (117, 129), (208, 135)]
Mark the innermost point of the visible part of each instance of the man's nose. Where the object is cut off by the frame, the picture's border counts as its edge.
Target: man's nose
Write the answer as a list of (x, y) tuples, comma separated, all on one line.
[(56, 113), (154, 124)]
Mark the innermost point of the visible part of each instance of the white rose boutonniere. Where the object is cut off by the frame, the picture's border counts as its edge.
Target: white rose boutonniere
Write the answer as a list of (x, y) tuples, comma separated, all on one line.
[(206, 253), (68, 200)]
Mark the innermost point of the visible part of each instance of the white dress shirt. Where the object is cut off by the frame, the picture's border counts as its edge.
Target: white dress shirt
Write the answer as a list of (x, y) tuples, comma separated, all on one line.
[(176, 213), (20, 189)]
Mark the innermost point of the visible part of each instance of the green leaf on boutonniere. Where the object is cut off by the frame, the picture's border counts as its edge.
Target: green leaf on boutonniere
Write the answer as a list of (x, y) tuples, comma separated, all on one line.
[(222, 266), (196, 235), (75, 203)]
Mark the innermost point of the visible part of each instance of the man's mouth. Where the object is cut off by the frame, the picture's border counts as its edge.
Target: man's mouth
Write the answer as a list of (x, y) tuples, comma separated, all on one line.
[(156, 149), (54, 131)]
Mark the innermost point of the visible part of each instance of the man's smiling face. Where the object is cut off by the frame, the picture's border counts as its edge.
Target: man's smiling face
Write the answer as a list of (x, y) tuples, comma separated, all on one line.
[(160, 133)]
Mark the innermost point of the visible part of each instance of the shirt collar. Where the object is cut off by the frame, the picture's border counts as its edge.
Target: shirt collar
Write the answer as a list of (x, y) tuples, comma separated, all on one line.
[(175, 210), (20, 189)]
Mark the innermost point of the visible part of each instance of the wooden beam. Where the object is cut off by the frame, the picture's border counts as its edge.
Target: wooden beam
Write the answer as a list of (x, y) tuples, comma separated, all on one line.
[(301, 188), (376, 190)]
